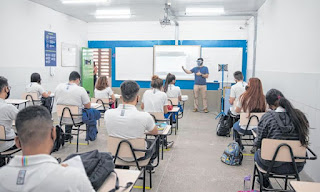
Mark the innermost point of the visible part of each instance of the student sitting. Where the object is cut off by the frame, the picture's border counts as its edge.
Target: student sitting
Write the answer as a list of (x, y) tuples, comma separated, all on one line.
[(8, 113), (36, 170), (252, 100), (35, 87), (170, 89), (154, 100), (126, 121), (72, 94), (236, 90), (283, 122), (102, 89)]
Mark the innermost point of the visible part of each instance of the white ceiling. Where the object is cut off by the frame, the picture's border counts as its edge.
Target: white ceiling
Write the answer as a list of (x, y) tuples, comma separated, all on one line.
[(146, 10)]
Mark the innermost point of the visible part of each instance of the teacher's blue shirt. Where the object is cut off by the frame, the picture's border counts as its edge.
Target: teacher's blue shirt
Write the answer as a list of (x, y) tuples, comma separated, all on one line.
[(199, 80)]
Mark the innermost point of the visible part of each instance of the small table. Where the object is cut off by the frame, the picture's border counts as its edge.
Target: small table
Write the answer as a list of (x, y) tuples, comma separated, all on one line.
[(124, 176), (162, 134), (117, 96), (16, 102), (302, 186), (174, 111), (95, 105)]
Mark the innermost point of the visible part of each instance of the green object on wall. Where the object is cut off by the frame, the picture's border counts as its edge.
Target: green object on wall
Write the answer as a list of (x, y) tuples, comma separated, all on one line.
[(87, 70)]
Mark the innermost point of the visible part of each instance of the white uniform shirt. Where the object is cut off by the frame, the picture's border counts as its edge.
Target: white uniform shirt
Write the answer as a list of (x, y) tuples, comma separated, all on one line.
[(102, 94), (173, 91), (8, 113), (127, 122), (71, 94), (154, 100), (42, 173), (35, 88), (237, 90)]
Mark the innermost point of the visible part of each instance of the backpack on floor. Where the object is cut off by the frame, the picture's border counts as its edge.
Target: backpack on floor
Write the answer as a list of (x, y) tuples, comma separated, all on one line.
[(59, 140), (223, 126), (232, 155)]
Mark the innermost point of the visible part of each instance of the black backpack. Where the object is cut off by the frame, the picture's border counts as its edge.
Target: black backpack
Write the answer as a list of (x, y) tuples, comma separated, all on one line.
[(223, 126), (59, 140), (98, 166)]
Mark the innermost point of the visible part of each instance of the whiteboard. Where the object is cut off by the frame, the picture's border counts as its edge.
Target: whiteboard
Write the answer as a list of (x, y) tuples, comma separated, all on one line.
[(68, 55), (171, 58), (134, 63), (213, 56)]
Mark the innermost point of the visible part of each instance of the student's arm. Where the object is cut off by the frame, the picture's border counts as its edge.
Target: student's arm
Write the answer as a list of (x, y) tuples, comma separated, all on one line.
[(150, 125), (154, 131), (165, 103), (205, 75), (165, 109), (262, 130), (231, 100), (179, 95), (142, 106), (113, 98), (232, 95), (87, 106), (179, 98), (239, 106), (85, 99), (187, 71), (45, 95), (238, 110)]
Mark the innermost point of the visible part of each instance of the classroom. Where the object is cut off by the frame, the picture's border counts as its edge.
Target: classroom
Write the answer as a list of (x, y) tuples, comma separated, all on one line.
[(159, 95)]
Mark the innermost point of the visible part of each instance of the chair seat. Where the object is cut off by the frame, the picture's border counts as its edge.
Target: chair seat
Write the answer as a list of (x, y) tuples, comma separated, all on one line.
[(264, 171), (142, 163), (76, 124), (10, 152)]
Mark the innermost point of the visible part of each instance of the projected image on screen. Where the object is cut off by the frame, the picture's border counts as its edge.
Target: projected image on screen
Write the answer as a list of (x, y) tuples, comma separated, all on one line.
[(170, 59)]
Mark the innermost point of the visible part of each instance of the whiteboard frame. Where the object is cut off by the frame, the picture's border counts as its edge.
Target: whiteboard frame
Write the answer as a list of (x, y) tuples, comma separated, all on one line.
[(154, 58)]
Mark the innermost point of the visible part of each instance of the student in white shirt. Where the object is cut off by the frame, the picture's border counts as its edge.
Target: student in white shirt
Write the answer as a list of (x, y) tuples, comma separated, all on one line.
[(126, 121), (36, 170), (103, 90), (35, 86), (8, 113), (170, 89), (154, 100), (72, 94), (236, 90)]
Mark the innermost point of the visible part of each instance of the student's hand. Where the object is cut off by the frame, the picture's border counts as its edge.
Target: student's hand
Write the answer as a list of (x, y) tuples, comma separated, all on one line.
[(64, 165), (199, 74)]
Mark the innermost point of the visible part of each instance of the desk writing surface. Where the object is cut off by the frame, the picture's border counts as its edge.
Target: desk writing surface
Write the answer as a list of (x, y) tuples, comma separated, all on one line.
[(117, 96), (174, 110), (165, 130), (184, 97), (302, 186), (95, 105), (124, 176), (16, 101)]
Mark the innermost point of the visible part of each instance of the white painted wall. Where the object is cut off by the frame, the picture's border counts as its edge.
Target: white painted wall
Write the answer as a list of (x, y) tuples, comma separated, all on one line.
[(288, 59), (151, 30), (22, 42)]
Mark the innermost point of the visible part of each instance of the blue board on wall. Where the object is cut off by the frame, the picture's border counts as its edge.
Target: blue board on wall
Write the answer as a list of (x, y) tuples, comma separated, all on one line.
[(50, 47), (183, 84)]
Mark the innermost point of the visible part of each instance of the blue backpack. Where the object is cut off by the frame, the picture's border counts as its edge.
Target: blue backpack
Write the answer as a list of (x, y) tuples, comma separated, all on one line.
[(232, 155)]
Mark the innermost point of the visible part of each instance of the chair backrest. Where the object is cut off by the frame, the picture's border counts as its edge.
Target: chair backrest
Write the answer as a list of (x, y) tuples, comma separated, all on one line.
[(175, 101), (30, 96), (124, 150), (158, 115), (104, 100), (244, 118), (269, 147), (74, 110), (2, 133)]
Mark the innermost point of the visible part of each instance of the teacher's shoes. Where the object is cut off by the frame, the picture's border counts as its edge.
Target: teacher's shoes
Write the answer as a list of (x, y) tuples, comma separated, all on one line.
[(206, 111), (195, 110)]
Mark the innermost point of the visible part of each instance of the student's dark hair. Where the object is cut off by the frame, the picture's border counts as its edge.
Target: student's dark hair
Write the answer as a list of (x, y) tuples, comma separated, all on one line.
[(3, 82), (35, 78), (33, 124), (102, 83), (238, 75), (169, 79), (74, 76), (156, 82), (129, 90), (275, 97)]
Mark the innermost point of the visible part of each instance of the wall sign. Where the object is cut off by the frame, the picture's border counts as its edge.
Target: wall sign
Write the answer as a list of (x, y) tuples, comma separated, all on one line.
[(50, 47)]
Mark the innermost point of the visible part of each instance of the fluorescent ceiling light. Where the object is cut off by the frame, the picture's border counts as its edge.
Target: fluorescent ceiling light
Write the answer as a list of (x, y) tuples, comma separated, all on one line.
[(204, 11), (113, 12), (113, 16), (83, 1)]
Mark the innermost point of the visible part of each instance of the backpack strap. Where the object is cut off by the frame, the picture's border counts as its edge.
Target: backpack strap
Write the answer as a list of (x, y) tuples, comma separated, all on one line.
[(117, 186)]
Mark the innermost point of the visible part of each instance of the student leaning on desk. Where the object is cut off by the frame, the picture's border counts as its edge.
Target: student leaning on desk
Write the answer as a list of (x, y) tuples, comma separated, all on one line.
[(36, 170), (8, 113)]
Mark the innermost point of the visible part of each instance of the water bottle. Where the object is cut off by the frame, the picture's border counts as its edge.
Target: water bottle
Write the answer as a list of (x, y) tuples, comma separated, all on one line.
[(246, 183)]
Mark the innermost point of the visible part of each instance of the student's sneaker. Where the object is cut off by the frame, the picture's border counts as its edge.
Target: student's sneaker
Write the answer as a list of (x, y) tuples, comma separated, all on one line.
[(169, 144), (206, 111), (195, 110)]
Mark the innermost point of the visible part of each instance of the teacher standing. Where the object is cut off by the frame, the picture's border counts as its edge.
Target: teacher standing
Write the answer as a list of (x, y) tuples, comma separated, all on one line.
[(201, 73)]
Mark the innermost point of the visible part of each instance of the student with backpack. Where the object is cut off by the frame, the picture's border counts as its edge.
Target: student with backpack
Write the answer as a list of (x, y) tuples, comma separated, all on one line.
[(282, 122), (252, 100)]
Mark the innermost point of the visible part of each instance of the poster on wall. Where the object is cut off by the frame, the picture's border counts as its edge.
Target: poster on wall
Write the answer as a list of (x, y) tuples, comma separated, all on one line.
[(50, 47), (87, 70)]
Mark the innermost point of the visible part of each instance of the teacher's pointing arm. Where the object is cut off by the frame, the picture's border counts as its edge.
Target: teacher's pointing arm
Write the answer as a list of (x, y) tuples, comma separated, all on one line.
[(186, 70)]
